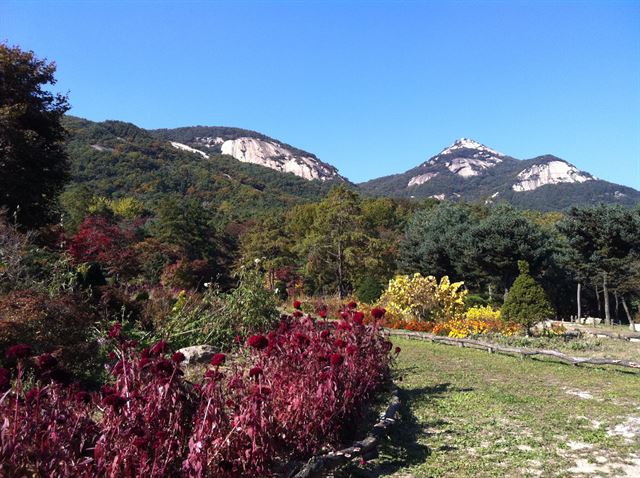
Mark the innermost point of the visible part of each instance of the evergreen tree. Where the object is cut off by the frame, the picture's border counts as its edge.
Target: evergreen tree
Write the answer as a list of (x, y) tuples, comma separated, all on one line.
[(526, 304), (33, 162)]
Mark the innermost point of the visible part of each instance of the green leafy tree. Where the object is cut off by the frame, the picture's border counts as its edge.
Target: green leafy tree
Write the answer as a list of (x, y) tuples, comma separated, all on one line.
[(33, 162), (526, 304), (603, 242), (494, 245), (433, 244)]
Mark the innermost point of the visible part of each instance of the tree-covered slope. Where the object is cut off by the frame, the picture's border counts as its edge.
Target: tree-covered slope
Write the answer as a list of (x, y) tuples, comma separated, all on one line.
[(117, 159)]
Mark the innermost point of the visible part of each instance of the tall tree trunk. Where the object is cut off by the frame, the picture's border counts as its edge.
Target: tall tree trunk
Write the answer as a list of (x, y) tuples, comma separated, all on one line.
[(341, 289), (605, 293), (579, 290), (598, 299), (626, 310)]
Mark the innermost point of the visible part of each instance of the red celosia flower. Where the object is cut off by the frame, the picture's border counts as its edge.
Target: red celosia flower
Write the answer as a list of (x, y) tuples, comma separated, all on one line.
[(159, 348), (18, 351), (5, 379), (352, 305), (301, 339), (114, 400), (336, 359), (163, 367), (118, 368), (178, 357), (107, 390), (325, 333), (144, 353), (255, 371), (46, 361), (297, 304), (32, 395), (144, 361), (258, 341), (351, 349), (139, 442), (130, 343), (82, 396), (214, 375), (339, 343), (112, 356), (218, 359), (115, 330), (297, 314), (358, 318), (344, 325), (378, 312), (398, 349), (323, 313)]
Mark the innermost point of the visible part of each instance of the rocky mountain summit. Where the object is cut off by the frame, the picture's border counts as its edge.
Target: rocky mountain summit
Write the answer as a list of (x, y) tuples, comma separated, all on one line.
[(250, 147), (472, 171)]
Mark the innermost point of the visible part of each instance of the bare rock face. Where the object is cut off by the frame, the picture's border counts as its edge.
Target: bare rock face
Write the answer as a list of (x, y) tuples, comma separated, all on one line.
[(278, 157), (197, 354), (185, 147), (421, 179), (466, 157), (552, 172)]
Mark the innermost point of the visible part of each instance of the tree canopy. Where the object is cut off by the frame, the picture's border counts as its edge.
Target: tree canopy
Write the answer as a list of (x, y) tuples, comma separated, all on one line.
[(33, 162)]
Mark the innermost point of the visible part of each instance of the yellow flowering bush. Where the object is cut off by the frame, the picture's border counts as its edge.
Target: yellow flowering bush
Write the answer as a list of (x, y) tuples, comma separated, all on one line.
[(481, 312), (477, 321), (415, 299)]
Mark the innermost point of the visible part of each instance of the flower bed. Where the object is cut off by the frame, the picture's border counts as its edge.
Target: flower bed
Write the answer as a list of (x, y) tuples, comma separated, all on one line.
[(292, 393)]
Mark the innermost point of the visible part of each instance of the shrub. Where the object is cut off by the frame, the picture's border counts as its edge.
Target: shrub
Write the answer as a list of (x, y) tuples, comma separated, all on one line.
[(217, 318), (104, 243), (526, 302), (293, 393), (58, 325), (411, 299), (369, 290)]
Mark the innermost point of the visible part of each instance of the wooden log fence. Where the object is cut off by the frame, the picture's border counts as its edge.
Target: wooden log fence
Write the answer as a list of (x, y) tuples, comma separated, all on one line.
[(501, 349), (320, 465)]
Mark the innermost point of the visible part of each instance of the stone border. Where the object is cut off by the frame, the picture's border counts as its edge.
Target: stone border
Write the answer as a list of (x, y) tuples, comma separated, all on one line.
[(319, 465)]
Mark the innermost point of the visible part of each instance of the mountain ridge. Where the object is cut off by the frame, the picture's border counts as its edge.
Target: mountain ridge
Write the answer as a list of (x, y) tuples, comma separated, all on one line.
[(469, 170)]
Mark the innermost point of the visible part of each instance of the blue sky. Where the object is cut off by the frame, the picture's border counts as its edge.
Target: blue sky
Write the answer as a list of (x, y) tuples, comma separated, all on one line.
[(374, 88)]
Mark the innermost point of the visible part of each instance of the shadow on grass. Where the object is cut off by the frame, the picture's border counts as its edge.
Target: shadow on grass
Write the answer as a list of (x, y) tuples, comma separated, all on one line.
[(402, 448)]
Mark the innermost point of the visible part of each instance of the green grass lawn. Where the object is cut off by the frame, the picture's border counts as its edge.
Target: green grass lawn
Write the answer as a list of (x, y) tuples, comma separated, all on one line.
[(468, 413)]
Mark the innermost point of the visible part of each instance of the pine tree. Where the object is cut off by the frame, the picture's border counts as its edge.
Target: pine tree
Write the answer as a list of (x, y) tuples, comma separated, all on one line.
[(526, 302)]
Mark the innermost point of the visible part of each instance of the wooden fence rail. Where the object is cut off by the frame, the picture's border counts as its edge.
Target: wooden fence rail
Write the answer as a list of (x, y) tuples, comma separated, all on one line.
[(495, 348)]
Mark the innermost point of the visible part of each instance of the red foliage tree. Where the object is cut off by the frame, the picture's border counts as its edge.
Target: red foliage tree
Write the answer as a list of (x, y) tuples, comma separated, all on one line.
[(104, 243)]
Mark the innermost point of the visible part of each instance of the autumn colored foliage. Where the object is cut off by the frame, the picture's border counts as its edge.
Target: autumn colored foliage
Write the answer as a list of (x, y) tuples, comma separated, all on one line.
[(287, 394)]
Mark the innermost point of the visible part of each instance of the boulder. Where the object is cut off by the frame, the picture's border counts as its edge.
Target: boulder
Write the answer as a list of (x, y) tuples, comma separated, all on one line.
[(197, 354)]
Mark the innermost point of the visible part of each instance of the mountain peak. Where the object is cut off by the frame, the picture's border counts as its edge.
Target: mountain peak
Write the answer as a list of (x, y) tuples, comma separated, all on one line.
[(468, 143)]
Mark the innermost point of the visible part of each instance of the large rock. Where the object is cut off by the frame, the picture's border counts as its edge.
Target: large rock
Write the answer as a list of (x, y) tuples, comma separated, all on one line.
[(198, 354)]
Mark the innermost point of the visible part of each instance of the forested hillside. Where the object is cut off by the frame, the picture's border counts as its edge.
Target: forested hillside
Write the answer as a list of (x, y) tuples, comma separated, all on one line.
[(117, 160)]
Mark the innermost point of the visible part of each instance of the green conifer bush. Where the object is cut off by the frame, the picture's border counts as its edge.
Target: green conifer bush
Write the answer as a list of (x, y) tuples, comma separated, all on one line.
[(526, 302)]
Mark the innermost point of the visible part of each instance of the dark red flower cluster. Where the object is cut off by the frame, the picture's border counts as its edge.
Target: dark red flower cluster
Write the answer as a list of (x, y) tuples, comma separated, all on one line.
[(46, 361), (378, 312), (218, 359), (258, 341), (292, 396), (18, 351)]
